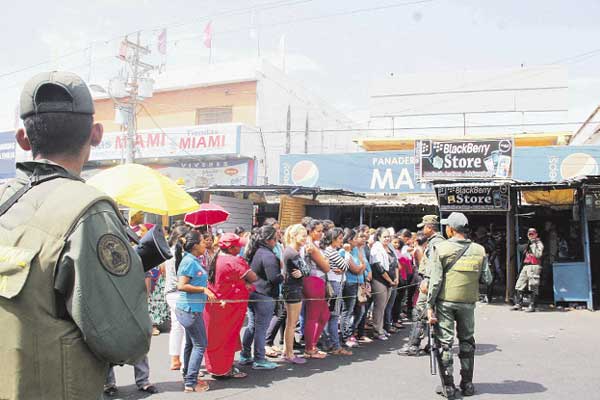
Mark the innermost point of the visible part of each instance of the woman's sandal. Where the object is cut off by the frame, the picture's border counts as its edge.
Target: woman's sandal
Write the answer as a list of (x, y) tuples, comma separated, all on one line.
[(315, 354), (236, 373), (341, 352), (202, 386), (271, 352)]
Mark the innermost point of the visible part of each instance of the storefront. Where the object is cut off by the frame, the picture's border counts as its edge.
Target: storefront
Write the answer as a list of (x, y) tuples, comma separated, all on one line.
[(488, 206), (566, 215), (393, 173)]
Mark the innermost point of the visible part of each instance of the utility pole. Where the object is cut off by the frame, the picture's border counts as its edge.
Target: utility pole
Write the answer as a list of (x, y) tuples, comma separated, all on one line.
[(138, 69)]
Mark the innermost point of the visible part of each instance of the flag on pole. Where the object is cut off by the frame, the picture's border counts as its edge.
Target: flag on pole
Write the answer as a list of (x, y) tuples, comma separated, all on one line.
[(162, 42), (208, 35), (123, 50)]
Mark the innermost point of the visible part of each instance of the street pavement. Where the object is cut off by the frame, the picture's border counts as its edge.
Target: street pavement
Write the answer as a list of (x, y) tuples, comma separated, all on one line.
[(543, 355)]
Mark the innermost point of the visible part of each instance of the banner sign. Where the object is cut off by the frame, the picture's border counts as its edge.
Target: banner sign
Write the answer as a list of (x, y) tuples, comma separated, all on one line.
[(7, 155), (473, 198), (188, 141), (464, 159), (372, 172), (203, 173), (394, 171)]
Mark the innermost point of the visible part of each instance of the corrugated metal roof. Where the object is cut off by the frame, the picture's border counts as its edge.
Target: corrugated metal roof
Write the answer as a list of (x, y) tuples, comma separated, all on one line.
[(401, 200)]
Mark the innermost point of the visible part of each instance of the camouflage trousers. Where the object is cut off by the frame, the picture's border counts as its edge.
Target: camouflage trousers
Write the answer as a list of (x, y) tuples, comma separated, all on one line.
[(419, 318), (460, 318), (529, 279)]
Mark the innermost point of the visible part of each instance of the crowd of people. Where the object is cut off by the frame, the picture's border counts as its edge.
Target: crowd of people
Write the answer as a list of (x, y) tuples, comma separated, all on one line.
[(315, 287)]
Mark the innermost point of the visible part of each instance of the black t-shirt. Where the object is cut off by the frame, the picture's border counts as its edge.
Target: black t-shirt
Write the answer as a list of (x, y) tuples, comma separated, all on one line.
[(292, 261)]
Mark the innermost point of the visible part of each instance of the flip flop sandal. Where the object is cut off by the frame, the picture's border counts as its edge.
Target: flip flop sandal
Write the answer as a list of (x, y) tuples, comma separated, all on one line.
[(271, 352), (202, 386), (315, 354), (236, 373)]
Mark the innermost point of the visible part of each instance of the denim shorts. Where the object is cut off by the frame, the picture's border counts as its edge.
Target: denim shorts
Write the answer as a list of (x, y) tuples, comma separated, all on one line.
[(292, 294)]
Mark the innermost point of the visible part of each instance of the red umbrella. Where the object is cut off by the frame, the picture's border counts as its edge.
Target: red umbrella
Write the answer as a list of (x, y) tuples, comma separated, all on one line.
[(208, 214)]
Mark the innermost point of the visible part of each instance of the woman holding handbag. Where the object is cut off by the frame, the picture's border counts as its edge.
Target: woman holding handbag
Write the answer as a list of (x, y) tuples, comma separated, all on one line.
[(354, 279), (381, 259)]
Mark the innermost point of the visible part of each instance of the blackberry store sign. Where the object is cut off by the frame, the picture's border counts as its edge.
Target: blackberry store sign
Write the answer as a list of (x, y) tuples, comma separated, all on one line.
[(592, 203), (464, 159), (473, 198)]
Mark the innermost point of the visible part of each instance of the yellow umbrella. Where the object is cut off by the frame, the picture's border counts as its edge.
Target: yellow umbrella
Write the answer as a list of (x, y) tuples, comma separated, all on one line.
[(145, 189)]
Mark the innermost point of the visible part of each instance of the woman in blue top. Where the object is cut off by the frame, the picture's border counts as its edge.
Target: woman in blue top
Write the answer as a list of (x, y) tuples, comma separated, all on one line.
[(192, 283)]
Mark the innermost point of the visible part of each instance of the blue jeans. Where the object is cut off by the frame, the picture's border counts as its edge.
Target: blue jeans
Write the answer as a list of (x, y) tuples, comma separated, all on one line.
[(260, 311), (335, 308), (349, 293), (195, 344)]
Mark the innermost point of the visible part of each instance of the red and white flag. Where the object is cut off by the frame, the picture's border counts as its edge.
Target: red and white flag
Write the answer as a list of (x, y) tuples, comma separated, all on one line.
[(208, 35), (123, 50), (162, 42)]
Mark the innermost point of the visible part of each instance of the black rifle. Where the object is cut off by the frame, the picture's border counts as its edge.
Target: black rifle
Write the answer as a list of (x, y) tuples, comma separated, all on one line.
[(435, 357)]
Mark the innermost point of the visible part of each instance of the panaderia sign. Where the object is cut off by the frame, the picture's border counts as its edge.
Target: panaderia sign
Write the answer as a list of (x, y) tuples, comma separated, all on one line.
[(473, 198), (198, 140), (466, 159)]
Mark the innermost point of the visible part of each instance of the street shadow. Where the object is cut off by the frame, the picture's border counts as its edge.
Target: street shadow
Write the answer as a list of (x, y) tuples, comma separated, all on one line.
[(509, 387), (264, 379), (482, 349)]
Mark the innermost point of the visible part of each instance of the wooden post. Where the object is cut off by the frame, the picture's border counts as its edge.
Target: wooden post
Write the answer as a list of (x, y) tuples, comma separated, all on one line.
[(512, 236)]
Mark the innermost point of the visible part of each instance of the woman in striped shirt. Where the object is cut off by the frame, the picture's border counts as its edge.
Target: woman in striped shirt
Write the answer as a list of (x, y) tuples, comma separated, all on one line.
[(332, 242)]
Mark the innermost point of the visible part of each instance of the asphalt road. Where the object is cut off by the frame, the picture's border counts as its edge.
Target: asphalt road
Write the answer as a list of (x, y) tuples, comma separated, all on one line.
[(544, 355)]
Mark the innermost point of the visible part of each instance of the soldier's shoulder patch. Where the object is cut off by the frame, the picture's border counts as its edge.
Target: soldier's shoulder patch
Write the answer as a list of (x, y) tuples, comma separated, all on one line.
[(114, 254)]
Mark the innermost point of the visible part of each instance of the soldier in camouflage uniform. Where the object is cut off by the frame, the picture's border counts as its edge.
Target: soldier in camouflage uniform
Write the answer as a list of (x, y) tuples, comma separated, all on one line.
[(529, 278), (457, 266), (72, 292), (430, 226)]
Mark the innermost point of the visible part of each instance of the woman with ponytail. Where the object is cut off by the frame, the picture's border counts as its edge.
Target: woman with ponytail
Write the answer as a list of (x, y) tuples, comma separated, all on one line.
[(177, 332), (266, 266), (317, 312), (193, 285)]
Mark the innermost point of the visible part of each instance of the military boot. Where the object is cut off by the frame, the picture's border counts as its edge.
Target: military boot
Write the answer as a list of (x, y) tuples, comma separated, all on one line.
[(531, 307), (466, 381), (409, 350), (518, 301), (448, 390)]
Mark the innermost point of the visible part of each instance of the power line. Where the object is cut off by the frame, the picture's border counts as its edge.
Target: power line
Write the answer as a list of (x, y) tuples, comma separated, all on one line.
[(267, 6), (315, 18)]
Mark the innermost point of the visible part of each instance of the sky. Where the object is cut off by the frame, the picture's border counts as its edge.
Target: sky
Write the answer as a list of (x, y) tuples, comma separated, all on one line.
[(335, 48)]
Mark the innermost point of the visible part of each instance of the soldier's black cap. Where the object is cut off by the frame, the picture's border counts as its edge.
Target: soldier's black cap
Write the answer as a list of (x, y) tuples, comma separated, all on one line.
[(39, 94)]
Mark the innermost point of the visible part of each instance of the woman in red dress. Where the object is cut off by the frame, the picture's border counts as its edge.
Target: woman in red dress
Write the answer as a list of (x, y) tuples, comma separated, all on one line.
[(230, 278)]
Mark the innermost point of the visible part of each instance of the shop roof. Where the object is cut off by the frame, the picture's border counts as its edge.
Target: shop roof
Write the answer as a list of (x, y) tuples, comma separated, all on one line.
[(471, 183), (400, 200), (565, 184), (276, 189), (408, 143)]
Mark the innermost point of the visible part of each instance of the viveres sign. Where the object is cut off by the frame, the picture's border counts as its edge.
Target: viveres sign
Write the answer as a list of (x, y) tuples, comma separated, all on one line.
[(473, 198), (466, 159)]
